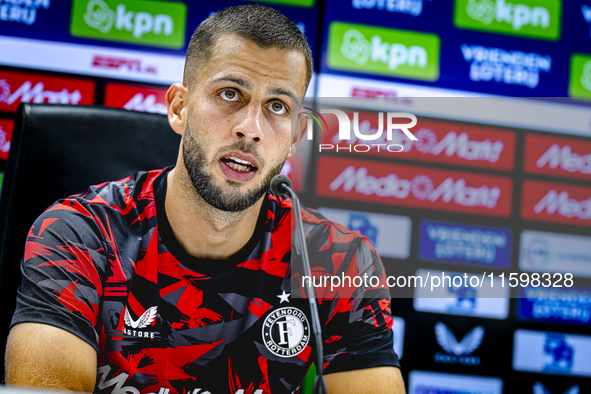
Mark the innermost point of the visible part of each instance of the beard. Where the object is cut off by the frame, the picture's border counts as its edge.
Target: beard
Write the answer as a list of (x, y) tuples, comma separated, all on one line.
[(232, 200)]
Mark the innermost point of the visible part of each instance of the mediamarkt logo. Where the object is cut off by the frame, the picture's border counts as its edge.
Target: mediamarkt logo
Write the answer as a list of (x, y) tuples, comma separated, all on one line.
[(421, 187), (554, 202), (16, 87), (564, 157)]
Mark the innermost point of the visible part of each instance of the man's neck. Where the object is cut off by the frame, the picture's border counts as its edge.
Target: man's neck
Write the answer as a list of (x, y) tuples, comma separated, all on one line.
[(202, 230)]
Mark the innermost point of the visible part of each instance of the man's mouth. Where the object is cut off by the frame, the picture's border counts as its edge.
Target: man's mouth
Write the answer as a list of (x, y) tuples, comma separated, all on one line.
[(238, 164)]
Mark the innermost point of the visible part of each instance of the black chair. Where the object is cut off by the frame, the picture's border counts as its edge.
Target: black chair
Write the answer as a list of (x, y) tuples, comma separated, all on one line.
[(57, 151)]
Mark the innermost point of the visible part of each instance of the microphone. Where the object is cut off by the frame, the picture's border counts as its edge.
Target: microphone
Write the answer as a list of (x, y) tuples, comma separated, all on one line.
[(280, 184)]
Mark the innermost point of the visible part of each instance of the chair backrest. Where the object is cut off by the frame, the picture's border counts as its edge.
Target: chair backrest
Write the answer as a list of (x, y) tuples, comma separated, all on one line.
[(60, 150)]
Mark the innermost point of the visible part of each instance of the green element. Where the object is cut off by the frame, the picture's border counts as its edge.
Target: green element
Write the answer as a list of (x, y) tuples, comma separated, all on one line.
[(153, 23), (381, 51), (1, 179), (579, 84), (528, 18), (308, 382), (296, 3)]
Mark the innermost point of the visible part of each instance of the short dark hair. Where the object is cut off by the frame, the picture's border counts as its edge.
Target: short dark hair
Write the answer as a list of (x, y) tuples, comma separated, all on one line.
[(266, 27)]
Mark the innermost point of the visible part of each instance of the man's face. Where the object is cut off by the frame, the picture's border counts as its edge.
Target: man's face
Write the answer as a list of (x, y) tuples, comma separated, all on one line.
[(238, 128)]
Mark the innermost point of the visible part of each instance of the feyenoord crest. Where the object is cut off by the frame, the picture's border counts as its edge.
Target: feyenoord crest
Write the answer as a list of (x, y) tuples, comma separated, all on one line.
[(286, 331)]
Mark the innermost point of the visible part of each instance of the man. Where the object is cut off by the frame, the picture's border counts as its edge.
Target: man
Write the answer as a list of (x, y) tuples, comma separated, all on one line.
[(177, 280)]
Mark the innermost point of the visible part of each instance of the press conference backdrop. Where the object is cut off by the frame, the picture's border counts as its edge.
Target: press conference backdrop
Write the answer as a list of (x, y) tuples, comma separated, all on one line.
[(125, 53)]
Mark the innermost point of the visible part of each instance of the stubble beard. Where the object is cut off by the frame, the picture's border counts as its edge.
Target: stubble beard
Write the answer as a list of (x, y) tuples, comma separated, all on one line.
[(226, 200)]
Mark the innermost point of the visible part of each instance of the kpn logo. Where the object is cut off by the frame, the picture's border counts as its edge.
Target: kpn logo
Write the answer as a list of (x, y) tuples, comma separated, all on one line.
[(580, 75), (382, 51), (529, 18), (153, 23)]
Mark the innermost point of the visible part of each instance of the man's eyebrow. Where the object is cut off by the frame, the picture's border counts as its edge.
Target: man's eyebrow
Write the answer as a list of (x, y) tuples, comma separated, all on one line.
[(283, 92), (238, 81)]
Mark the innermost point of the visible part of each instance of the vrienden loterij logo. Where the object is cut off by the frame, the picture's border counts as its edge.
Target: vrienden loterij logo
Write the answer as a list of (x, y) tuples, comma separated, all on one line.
[(345, 125)]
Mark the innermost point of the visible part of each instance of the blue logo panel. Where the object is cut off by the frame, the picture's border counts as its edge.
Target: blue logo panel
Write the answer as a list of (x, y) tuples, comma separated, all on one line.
[(556, 305), (465, 244)]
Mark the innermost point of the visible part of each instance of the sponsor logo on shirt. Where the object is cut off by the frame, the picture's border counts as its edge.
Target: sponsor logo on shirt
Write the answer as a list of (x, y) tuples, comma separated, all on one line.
[(154, 23), (551, 352), (134, 327), (286, 331), (458, 352), (420, 187), (464, 244), (18, 87), (411, 7), (381, 51), (6, 127), (558, 156), (22, 11), (580, 75), (529, 18), (555, 305), (508, 67), (436, 141), (423, 382), (557, 203), (136, 98), (542, 251)]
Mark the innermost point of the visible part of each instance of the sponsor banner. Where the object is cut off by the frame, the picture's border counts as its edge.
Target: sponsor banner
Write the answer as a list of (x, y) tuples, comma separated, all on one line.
[(558, 156), (556, 203), (390, 234), (461, 105), (580, 75), (540, 251), (136, 98), (410, 7), (528, 18), (410, 186), (23, 11), (555, 305), (16, 88), (551, 353), (381, 51), (465, 244), (423, 382), (437, 141), (91, 60), (6, 127), (398, 330), (458, 351), (153, 23), (510, 67), (490, 302)]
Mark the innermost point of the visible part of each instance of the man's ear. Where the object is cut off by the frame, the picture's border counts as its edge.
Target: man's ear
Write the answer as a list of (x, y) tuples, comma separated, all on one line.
[(299, 133), (177, 97)]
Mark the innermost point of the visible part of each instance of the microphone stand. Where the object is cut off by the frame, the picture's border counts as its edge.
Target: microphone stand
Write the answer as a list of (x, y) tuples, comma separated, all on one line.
[(281, 184)]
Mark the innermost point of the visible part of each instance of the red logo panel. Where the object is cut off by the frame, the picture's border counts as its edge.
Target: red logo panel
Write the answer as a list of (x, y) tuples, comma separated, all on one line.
[(410, 186), (558, 156), (136, 98), (438, 141), (556, 203), (33, 88), (6, 127)]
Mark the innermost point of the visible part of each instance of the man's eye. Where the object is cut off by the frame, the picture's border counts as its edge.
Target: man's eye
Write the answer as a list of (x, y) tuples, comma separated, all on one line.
[(229, 95), (278, 108)]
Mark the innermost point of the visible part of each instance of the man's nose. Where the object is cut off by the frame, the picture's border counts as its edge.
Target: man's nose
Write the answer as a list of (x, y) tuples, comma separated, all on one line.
[(250, 127)]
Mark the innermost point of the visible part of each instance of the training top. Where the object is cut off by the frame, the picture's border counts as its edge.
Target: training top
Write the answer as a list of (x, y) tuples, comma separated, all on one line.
[(106, 266)]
